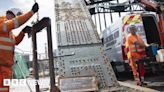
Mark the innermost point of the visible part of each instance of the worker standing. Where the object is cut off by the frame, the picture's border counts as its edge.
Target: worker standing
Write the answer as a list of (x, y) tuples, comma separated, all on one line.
[(12, 20), (136, 51)]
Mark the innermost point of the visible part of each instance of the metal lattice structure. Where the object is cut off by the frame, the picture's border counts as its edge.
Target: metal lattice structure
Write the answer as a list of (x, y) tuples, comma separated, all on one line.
[(80, 52), (79, 44), (109, 7)]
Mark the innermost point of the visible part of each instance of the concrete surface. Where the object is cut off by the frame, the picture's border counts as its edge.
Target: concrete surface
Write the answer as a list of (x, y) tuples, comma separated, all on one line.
[(155, 81)]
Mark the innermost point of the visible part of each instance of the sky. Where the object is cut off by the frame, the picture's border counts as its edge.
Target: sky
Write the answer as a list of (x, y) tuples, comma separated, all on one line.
[(46, 9)]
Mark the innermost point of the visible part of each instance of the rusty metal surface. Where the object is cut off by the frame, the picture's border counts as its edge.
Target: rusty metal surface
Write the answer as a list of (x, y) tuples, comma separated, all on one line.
[(44, 23), (35, 60), (50, 54)]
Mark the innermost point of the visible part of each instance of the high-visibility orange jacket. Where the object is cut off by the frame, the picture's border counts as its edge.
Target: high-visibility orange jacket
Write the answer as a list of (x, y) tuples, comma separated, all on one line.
[(8, 40), (134, 50)]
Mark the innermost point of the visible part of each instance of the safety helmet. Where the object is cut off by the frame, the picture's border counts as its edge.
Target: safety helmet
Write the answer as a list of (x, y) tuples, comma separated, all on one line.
[(131, 26), (15, 11)]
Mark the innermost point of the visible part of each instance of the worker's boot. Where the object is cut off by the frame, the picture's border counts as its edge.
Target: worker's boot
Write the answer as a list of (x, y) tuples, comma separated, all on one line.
[(138, 82), (143, 82)]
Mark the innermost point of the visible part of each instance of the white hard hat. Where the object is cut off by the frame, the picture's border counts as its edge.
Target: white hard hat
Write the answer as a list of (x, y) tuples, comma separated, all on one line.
[(15, 11), (130, 27)]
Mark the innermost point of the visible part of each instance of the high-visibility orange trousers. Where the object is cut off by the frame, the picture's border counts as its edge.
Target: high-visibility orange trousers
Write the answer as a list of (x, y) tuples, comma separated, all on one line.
[(135, 57), (1, 80), (134, 68), (3, 88), (5, 73)]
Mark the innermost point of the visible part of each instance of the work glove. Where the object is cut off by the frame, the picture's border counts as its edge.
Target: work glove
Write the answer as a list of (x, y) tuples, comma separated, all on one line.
[(147, 45), (27, 30), (35, 7)]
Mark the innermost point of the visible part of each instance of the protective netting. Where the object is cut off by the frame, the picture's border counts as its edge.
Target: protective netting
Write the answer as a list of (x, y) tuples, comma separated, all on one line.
[(20, 68)]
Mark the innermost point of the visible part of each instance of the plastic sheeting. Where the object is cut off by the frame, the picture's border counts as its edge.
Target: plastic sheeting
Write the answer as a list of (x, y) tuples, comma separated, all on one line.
[(20, 68)]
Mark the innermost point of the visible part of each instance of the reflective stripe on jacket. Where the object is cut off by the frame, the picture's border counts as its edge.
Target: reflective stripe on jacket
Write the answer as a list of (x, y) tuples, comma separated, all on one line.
[(136, 48), (8, 40), (132, 48), (7, 43), (8, 25), (7, 48)]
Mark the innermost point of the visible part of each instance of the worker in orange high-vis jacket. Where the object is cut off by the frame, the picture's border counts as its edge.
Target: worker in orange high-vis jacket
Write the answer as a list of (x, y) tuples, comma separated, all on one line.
[(136, 50), (12, 20)]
